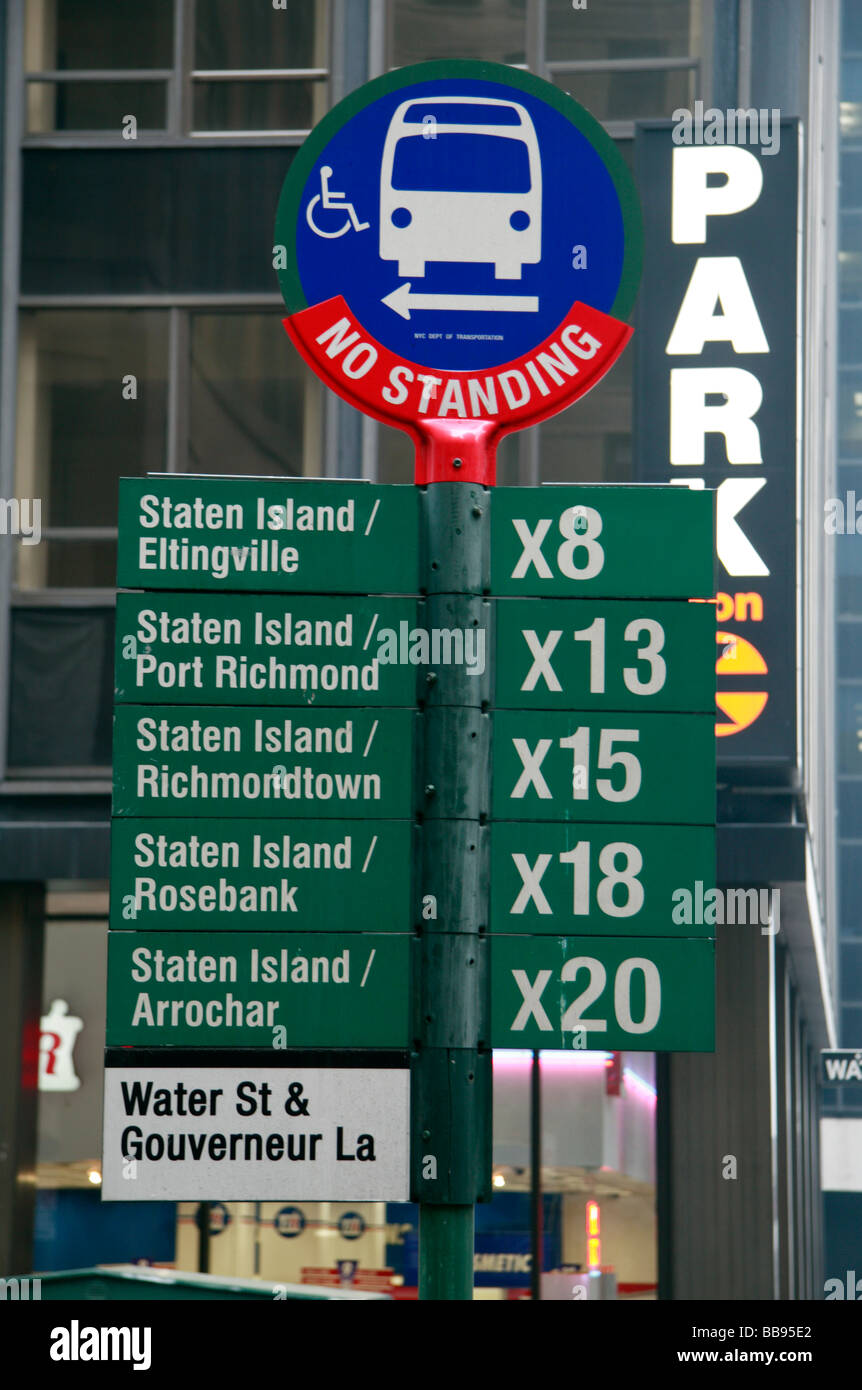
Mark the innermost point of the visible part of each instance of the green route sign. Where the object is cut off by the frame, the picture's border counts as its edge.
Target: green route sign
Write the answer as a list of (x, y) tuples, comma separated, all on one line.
[(639, 541), (290, 535), (281, 763), (241, 874), (235, 989), (622, 994), (244, 649), (598, 767), (613, 655), (298, 535), (613, 880)]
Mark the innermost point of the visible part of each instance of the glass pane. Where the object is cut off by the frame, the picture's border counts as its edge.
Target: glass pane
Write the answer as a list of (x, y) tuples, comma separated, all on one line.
[(851, 39), (237, 34), (851, 99), (508, 459), (626, 96), (850, 729), (848, 559), (145, 223), (591, 442), (395, 456), (850, 413), (92, 400), (848, 591), (255, 406), (61, 659), (490, 29), (851, 79), (95, 106), (278, 105), (850, 337), (70, 565), (849, 871), (850, 818), (850, 256), (847, 539), (623, 29), (849, 648), (92, 34), (850, 120), (851, 1036), (851, 180), (851, 970)]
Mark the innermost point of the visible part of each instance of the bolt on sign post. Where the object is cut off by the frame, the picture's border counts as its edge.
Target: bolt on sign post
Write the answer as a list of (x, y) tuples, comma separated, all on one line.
[(405, 773)]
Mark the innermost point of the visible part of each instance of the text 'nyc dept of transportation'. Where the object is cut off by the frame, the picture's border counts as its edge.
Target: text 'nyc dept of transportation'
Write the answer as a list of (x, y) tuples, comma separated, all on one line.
[(458, 244)]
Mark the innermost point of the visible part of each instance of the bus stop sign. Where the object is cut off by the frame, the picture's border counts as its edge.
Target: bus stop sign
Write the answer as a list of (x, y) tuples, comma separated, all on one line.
[(459, 247)]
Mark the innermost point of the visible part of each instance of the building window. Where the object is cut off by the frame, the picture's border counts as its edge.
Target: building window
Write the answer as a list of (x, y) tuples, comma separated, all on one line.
[(259, 69), (61, 659), (592, 442), (186, 67), (620, 96), (75, 35), (850, 729), (421, 30), (616, 29), (255, 408), (850, 412), (850, 256), (624, 59), (163, 222), (70, 44), (92, 407)]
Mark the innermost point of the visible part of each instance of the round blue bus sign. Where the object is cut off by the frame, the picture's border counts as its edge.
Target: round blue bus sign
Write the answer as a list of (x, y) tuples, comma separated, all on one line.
[(459, 242)]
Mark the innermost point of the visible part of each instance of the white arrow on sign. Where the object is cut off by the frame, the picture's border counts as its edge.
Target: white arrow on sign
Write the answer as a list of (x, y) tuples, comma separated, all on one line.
[(402, 301)]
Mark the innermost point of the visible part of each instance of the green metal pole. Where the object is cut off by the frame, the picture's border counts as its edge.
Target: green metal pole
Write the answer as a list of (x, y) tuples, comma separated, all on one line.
[(446, 1243), (451, 1067)]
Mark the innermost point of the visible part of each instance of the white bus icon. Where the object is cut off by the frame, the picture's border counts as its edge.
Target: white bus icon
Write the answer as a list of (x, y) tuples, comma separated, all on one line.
[(461, 180)]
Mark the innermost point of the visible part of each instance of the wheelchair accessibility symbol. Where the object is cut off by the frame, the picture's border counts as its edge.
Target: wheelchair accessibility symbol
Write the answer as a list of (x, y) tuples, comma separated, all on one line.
[(331, 201)]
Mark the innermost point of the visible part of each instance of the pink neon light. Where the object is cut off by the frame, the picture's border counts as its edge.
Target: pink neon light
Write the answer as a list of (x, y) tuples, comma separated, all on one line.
[(511, 1059), (518, 1060), (639, 1087)]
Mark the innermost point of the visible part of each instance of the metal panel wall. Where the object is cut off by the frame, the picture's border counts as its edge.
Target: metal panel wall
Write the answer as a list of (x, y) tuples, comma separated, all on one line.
[(716, 1238), (756, 1235)]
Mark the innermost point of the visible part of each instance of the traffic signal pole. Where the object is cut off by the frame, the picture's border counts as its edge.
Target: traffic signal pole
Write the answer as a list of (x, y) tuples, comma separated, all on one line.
[(452, 1063)]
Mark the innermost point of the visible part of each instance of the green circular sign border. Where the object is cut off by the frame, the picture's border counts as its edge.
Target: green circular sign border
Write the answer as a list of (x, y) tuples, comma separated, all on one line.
[(287, 212)]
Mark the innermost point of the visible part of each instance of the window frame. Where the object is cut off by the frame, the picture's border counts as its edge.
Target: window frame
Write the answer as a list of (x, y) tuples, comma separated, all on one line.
[(179, 308), (179, 80), (535, 47)]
